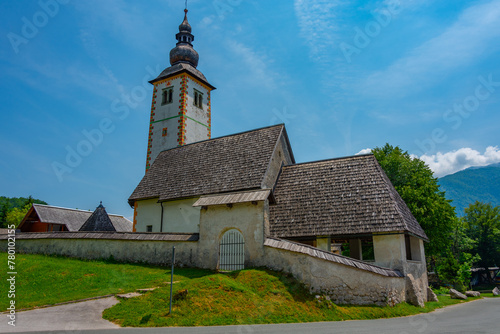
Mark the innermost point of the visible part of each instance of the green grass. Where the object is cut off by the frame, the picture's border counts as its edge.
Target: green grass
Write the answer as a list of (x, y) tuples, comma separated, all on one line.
[(44, 280), (252, 296), (247, 297)]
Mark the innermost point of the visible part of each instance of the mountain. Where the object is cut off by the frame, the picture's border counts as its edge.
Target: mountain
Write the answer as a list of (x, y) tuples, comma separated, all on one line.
[(472, 184)]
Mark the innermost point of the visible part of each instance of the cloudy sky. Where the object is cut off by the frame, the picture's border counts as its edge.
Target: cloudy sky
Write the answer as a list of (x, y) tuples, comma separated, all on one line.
[(344, 76)]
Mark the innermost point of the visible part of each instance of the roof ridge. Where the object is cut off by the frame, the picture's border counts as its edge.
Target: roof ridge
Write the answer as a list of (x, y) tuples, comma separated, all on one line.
[(225, 136), (331, 159), (70, 209)]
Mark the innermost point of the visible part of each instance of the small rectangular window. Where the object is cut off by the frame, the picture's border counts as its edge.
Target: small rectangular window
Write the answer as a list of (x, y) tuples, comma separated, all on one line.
[(149, 228), (164, 132), (198, 99), (167, 95)]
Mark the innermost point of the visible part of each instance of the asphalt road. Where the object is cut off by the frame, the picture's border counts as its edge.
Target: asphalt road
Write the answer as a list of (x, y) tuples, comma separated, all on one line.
[(480, 316)]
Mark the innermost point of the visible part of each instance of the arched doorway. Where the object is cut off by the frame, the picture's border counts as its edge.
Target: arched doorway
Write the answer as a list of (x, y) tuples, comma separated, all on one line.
[(232, 251)]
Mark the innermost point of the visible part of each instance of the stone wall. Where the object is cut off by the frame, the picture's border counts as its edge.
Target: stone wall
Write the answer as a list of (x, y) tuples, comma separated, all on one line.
[(147, 251), (344, 284)]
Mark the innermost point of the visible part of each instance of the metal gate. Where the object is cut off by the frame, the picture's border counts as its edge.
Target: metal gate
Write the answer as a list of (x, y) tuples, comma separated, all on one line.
[(232, 251)]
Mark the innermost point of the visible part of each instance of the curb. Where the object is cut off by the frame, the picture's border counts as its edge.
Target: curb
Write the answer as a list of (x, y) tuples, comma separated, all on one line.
[(58, 304)]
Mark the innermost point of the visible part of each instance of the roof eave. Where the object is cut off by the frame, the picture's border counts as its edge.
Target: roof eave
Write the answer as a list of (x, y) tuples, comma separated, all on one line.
[(183, 70)]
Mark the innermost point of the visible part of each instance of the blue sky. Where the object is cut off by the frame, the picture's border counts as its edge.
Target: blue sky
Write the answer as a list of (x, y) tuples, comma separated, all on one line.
[(344, 76)]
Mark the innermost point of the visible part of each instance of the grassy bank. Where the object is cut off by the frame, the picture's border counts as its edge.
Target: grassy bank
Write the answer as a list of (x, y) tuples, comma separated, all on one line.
[(44, 280), (252, 296), (247, 297)]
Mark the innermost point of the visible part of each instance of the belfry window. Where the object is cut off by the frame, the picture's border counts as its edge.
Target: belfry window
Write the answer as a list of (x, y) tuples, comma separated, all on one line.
[(167, 95), (198, 99)]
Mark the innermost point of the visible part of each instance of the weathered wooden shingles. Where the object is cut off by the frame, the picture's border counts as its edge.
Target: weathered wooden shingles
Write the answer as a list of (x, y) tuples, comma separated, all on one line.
[(74, 219), (225, 164), (338, 197), (327, 256), (108, 235)]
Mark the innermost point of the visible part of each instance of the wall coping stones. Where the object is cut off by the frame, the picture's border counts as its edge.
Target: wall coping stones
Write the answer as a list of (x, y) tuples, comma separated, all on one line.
[(144, 236), (328, 256)]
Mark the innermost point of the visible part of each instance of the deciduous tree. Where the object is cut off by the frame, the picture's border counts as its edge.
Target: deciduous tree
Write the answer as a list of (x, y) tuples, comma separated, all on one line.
[(418, 187)]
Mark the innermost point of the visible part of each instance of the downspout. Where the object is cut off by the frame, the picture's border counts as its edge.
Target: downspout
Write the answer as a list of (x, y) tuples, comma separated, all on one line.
[(161, 221)]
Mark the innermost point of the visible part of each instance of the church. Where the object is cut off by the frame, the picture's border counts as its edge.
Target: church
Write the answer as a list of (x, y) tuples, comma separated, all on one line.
[(242, 201)]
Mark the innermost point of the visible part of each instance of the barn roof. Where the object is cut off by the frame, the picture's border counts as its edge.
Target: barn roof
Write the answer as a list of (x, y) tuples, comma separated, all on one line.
[(343, 196), (98, 221), (74, 219), (232, 163)]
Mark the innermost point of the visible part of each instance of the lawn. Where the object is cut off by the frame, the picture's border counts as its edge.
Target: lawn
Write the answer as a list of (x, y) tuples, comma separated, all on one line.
[(252, 296), (44, 280)]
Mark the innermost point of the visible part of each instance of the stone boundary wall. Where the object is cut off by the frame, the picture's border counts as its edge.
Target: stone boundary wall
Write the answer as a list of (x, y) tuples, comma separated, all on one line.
[(126, 248), (343, 283)]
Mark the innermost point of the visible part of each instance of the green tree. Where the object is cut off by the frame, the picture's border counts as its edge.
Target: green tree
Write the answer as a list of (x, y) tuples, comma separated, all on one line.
[(16, 215), (3, 214), (418, 187), (482, 222), (455, 267)]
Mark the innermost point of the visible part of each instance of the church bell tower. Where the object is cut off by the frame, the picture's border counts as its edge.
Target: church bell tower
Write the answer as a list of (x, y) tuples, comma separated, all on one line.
[(180, 111)]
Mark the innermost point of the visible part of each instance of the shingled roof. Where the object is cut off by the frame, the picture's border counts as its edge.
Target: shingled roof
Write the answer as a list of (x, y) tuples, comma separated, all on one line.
[(226, 164), (342, 196), (98, 221), (73, 218)]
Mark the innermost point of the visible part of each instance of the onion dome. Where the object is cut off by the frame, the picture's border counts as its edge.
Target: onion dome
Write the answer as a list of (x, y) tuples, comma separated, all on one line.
[(183, 51)]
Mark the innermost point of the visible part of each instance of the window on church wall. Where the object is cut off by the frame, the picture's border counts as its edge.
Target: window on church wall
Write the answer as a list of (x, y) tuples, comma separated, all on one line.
[(198, 99), (167, 95), (164, 132)]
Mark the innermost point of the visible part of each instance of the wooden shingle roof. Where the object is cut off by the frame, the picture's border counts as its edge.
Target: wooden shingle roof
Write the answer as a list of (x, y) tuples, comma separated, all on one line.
[(74, 218), (232, 163), (98, 221), (341, 197)]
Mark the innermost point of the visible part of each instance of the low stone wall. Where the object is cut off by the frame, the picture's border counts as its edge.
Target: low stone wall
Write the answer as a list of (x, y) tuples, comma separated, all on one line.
[(345, 280), (126, 247), (345, 284)]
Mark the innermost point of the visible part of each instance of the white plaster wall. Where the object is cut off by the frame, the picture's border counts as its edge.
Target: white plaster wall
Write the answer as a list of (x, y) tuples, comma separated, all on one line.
[(248, 218), (148, 213), (344, 284), (181, 217), (195, 131), (161, 118), (390, 251), (154, 252), (178, 216)]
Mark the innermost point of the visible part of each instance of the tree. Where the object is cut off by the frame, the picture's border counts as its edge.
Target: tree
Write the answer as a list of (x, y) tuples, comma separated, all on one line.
[(3, 214), (455, 267), (16, 215), (418, 187), (482, 222)]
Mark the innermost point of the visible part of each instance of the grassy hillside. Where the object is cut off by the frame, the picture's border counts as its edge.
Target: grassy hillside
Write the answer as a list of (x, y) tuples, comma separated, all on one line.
[(44, 280), (473, 184), (252, 296)]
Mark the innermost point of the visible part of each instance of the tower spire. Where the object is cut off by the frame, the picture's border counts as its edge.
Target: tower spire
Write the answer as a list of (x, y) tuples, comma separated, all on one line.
[(183, 51)]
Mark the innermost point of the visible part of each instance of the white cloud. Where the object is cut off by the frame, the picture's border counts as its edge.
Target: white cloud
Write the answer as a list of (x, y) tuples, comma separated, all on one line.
[(256, 64), (318, 26), (364, 151), (464, 42), (451, 162)]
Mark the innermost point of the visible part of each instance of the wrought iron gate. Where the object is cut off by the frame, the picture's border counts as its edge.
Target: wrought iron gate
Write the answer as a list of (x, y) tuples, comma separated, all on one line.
[(232, 251)]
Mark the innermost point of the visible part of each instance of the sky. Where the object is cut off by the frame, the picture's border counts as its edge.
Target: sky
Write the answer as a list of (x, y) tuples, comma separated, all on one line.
[(344, 77)]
